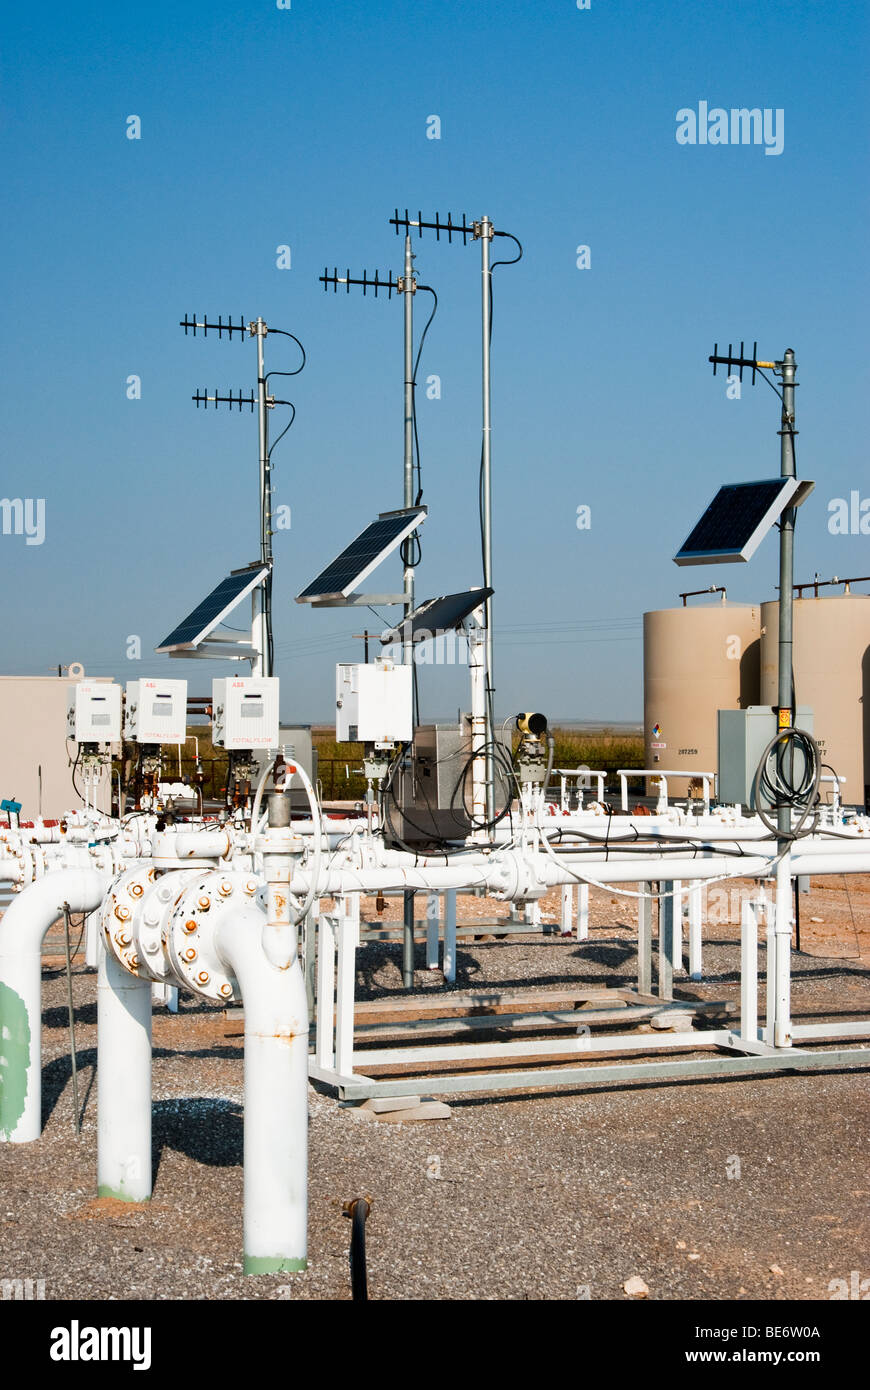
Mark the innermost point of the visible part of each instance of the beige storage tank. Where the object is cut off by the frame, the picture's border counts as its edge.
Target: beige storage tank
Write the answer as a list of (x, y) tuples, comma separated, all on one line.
[(695, 661), (832, 676)]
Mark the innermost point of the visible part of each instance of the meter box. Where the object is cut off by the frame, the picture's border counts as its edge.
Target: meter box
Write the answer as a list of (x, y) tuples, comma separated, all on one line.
[(245, 712), (374, 703), (93, 712), (743, 736), (156, 711)]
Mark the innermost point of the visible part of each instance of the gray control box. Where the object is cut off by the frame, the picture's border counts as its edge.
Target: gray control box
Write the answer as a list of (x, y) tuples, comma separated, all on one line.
[(743, 736)]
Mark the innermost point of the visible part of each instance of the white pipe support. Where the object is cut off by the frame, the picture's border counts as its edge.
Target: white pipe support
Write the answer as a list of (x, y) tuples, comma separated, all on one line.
[(123, 1082), (22, 929), (782, 959), (276, 1096)]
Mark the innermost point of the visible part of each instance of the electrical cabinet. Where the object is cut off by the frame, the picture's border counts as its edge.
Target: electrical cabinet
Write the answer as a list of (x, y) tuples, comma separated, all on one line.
[(743, 736), (156, 711), (245, 712), (374, 703), (94, 712)]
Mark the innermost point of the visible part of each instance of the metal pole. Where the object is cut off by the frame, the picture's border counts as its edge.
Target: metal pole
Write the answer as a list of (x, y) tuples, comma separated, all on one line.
[(407, 645), (486, 500), (408, 287), (262, 605), (786, 562), (782, 1025)]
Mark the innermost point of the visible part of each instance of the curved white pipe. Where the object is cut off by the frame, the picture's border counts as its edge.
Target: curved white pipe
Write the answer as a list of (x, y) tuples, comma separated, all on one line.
[(123, 1082), (22, 928), (276, 1096)]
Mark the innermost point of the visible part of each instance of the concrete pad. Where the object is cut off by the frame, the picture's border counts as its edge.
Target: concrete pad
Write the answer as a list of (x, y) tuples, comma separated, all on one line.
[(428, 1110), (383, 1104)]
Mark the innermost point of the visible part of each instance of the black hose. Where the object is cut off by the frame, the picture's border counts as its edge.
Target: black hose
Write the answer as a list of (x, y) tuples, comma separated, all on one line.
[(357, 1209)]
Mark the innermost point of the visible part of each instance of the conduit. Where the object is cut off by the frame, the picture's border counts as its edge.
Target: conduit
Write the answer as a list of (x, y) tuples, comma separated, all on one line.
[(22, 929)]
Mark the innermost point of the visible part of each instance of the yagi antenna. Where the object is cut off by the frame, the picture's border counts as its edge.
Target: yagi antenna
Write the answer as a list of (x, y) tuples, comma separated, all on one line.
[(376, 282), (220, 327), (203, 398), (464, 228), (732, 360)]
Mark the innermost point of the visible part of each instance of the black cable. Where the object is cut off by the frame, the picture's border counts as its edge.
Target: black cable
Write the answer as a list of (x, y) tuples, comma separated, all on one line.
[(285, 334), (411, 549), (781, 792)]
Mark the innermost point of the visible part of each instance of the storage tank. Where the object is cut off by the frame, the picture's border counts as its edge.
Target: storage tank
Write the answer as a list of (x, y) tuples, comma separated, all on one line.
[(831, 660), (695, 661)]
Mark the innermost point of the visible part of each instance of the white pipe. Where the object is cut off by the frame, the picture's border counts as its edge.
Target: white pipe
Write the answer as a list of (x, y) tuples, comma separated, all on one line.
[(276, 1097), (22, 929), (123, 1082), (782, 961)]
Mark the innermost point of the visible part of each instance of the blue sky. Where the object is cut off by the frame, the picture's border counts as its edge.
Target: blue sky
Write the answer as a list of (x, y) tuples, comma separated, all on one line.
[(264, 127)]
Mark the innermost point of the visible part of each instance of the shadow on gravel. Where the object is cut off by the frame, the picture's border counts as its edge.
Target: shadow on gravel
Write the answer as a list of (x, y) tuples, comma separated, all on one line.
[(56, 1076), (208, 1129)]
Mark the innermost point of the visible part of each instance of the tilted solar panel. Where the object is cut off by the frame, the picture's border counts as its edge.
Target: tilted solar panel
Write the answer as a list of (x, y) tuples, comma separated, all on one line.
[(214, 608), (359, 558), (438, 615), (736, 521)]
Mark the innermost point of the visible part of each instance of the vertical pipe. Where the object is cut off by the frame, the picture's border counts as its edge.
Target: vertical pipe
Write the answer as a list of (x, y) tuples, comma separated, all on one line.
[(477, 674), (677, 944), (567, 913), (696, 900), (123, 1082), (644, 940), (450, 936), (309, 933), (749, 971), (486, 498), (782, 960), (432, 930), (326, 990), (276, 1097), (582, 911), (666, 941), (345, 990), (770, 971), (408, 938)]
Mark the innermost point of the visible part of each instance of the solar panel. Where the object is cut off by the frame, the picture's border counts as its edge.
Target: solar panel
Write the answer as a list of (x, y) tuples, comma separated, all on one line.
[(736, 522), (357, 560), (214, 608), (437, 615)]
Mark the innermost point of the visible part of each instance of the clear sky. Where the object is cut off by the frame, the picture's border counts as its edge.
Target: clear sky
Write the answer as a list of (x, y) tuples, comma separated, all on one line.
[(264, 127)]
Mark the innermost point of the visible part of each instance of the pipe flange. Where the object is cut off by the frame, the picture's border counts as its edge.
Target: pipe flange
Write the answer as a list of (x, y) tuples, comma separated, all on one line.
[(120, 916), (189, 939), (156, 908)]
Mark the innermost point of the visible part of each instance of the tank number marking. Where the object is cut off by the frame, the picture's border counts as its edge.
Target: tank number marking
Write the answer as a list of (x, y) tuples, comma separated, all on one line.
[(687, 752)]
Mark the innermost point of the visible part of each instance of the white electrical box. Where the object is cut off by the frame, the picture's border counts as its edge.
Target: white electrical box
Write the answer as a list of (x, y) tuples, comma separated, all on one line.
[(374, 703), (245, 712), (156, 711), (93, 712)]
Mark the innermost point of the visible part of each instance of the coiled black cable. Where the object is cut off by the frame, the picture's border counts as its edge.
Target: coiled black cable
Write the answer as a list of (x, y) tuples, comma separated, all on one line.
[(779, 789)]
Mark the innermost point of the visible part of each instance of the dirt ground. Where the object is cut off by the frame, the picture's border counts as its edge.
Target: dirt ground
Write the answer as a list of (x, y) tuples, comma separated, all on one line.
[(755, 1187)]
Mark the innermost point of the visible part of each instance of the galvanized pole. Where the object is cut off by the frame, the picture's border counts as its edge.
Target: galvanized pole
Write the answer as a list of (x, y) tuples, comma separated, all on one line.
[(786, 559), (781, 985), (408, 288), (261, 634), (486, 501)]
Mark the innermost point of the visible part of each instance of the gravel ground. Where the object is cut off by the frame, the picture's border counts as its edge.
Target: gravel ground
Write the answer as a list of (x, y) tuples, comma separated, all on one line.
[(738, 1188)]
